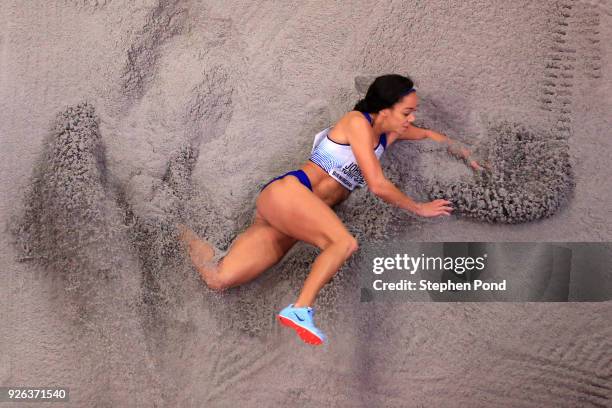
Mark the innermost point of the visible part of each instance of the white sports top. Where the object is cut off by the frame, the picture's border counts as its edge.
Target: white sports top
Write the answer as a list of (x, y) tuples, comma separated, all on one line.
[(338, 160)]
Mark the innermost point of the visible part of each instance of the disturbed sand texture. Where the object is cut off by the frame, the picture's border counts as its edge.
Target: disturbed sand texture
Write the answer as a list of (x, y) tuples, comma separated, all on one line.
[(120, 118), (528, 176)]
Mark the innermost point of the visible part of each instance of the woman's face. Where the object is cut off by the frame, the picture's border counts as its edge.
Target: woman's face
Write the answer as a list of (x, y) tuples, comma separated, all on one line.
[(401, 115)]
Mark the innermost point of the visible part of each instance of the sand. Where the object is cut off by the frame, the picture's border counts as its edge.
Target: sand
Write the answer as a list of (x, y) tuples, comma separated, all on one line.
[(120, 119)]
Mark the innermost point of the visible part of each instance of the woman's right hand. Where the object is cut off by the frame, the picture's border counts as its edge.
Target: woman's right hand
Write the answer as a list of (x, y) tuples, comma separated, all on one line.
[(434, 208)]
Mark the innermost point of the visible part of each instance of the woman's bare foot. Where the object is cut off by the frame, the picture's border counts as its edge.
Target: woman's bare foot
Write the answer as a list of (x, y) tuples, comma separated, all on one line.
[(201, 254), (200, 251)]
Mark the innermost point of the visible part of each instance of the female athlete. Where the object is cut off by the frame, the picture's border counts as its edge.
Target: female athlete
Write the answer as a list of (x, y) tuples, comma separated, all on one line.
[(299, 207)]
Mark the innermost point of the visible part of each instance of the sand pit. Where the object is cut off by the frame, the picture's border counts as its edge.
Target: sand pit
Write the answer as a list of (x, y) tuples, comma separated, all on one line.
[(191, 107)]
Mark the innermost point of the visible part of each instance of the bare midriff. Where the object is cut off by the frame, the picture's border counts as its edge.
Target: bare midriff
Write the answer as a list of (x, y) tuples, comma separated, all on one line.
[(324, 186)]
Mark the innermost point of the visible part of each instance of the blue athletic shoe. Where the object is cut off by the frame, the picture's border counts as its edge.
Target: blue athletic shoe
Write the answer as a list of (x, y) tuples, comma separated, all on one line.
[(300, 319)]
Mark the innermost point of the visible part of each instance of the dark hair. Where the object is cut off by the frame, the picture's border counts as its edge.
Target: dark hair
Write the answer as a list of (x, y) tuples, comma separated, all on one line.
[(384, 92)]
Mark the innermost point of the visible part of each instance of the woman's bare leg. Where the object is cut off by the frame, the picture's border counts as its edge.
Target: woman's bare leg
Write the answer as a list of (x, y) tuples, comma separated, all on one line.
[(201, 252), (323, 270), (294, 210), (254, 251)]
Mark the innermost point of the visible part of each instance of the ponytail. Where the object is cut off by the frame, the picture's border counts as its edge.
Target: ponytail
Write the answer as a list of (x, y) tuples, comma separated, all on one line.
[(384, 92), (362, 106)]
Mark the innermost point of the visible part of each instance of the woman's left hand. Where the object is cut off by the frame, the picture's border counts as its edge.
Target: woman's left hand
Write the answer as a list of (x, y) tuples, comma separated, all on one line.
[(456, 149)]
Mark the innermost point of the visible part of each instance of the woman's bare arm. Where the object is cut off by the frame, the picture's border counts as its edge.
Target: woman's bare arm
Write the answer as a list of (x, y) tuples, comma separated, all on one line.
[(360, 136), (455, 148)]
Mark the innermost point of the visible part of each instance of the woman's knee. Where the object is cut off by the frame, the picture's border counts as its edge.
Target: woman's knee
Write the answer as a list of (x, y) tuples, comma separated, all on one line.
[(352, 245), (218, 284), (221, 284), (347, 242)]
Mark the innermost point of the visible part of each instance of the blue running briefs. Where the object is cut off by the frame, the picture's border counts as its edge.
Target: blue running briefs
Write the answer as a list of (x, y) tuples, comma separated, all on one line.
[(297, 173)]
